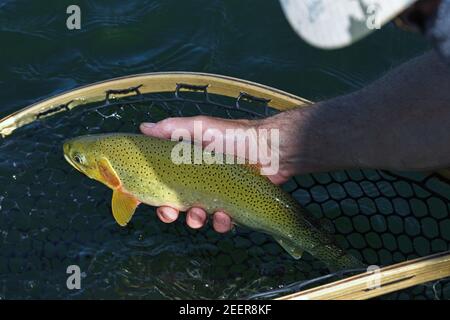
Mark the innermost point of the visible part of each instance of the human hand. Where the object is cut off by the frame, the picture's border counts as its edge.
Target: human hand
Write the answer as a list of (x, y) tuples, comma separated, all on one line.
[(196, 217)]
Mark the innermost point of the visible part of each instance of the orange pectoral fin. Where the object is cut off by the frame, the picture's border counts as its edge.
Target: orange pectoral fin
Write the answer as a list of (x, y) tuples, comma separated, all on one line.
[(123, 206), (108, 174)]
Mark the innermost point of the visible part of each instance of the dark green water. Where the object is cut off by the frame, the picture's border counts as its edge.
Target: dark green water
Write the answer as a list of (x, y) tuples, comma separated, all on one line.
[(39, 57), (52, 218)]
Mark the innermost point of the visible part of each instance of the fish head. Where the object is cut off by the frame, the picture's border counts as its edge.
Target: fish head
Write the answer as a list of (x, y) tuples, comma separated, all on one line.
[(82, 155), (85, 155)]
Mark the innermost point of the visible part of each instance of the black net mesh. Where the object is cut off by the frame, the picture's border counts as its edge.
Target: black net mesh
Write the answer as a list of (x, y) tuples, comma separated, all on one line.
[(52, 217)]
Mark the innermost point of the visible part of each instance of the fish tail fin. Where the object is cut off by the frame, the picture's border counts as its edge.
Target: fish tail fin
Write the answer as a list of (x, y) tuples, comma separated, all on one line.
[(325, 248), (307, 234), (334, 257)]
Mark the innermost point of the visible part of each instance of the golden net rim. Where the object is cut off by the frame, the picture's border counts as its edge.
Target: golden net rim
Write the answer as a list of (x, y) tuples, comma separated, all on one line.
[(157, 82)]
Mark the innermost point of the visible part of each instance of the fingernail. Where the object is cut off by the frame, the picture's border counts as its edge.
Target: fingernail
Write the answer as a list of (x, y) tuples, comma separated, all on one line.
[(148, 125), (196, 217), (170, 214)]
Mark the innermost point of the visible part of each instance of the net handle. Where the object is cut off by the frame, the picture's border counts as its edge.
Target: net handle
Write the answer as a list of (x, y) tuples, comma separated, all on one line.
[(379, 282), (157, 82)]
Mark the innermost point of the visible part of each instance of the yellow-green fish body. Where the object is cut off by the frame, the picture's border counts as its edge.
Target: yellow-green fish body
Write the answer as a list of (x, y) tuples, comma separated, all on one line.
[(140, 169)]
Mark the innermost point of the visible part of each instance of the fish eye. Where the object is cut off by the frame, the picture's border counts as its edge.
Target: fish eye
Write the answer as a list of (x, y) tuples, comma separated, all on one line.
[(78, 158)]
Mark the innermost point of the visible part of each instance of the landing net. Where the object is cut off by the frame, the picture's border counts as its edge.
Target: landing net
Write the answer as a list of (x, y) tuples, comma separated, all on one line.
[(52, 217)]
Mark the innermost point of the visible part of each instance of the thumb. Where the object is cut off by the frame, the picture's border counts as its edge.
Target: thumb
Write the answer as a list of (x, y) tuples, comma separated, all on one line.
[(164, 128), (153, 129)]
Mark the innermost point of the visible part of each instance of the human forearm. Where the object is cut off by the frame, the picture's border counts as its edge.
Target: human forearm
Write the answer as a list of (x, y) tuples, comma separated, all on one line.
[(401, 122)]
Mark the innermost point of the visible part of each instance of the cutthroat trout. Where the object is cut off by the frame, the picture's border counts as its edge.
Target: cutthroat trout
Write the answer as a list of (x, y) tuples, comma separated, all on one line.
[(139, 169)]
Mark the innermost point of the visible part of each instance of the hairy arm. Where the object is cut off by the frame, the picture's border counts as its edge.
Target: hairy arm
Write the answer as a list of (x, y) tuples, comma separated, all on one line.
[(401, 122)]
